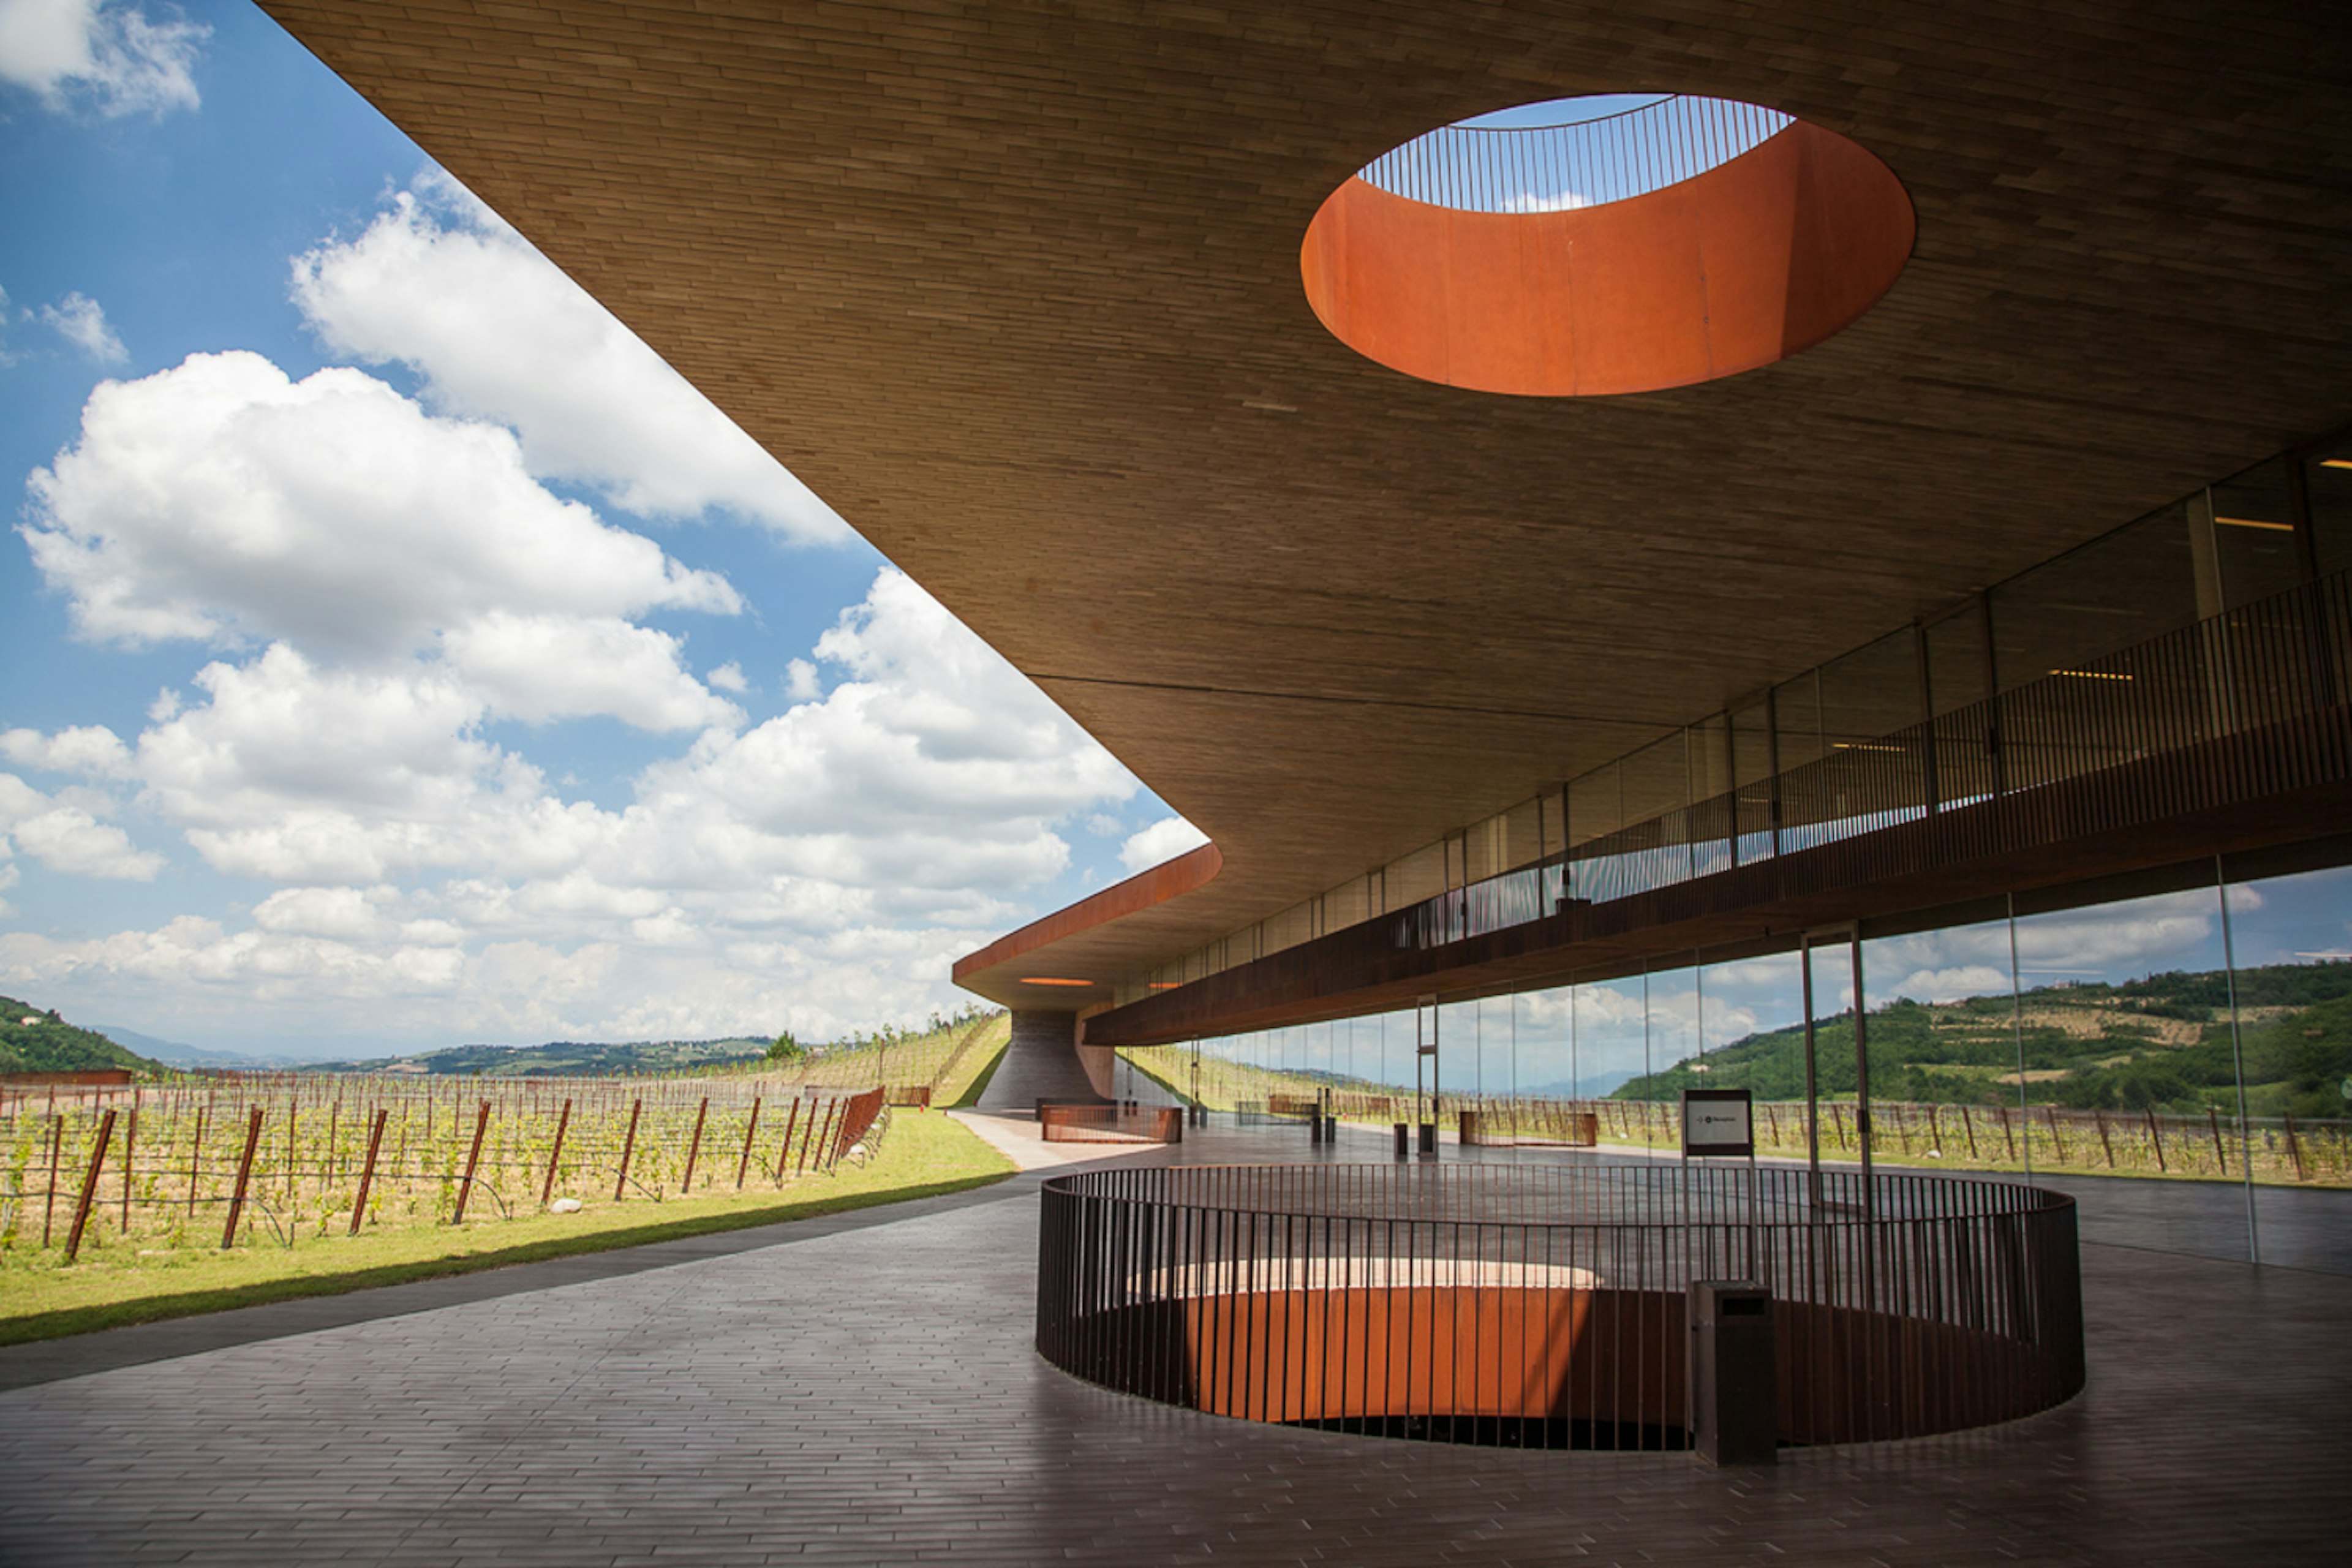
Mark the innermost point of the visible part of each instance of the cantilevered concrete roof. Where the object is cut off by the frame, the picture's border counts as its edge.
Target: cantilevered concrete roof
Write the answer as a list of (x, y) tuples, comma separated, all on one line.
[(1016, 288)]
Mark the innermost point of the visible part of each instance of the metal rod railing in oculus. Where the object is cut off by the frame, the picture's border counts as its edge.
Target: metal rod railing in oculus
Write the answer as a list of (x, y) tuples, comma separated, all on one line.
[(1553, 168)]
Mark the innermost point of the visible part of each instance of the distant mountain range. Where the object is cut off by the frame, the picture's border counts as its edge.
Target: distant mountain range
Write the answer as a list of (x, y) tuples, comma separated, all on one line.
[(48, 1044), (173, 1053), (562, 1059)]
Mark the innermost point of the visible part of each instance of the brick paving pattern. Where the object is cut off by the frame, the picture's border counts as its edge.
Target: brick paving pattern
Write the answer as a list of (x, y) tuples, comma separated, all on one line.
[(866, 1393)]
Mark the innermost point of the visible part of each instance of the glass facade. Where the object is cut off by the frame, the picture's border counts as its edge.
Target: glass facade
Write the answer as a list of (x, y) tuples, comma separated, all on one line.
[(2180, 1059), (1944, 711)]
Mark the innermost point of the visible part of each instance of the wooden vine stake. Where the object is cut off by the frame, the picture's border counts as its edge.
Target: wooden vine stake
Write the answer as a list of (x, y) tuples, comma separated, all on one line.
[(367, 1172), (244, 1174), (830, 1107), (129, 1152), (750, 1132), (195, 1152), (57, 1148), (628, 1147), (686, 1188), (89, 1185), (784, 1150), (562, 1122), (473, 1163)]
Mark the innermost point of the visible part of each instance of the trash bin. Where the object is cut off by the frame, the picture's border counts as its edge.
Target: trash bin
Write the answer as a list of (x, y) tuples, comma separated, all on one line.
[(1734, 1380), (1429, 1140), (1469, 1128), (1403, 1141)]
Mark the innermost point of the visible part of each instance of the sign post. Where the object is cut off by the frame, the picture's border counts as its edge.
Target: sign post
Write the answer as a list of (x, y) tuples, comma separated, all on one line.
[(1731, 1376)]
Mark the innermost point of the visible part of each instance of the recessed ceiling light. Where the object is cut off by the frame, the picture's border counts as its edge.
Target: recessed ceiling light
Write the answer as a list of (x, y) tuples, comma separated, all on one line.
[(1050, 979), (2335, 462), (2256, 522), (2094, 674)]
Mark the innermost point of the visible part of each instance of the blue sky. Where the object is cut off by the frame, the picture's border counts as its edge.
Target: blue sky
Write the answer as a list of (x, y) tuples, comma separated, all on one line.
[(395, 653)]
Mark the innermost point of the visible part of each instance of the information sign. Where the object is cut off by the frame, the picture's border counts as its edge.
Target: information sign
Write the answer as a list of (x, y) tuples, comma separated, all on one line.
[(1719, 1123)]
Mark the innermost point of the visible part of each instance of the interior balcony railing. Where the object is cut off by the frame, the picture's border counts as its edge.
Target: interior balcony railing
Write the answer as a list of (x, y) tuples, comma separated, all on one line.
[(2274, 662)]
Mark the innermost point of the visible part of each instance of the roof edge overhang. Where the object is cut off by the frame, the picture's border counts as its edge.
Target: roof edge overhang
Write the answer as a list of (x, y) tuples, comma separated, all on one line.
[(986, 970)]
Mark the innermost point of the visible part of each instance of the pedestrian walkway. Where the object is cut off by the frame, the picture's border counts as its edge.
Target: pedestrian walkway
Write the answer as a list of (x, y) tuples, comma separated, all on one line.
[(862, 1390)]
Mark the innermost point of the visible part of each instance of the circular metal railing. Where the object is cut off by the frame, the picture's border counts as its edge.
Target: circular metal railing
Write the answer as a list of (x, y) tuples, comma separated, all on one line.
[(1544, 1305), (1587, 164)]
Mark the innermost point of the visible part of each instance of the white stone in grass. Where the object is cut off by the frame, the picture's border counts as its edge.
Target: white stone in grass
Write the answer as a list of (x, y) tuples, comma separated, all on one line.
[(564, 1206)]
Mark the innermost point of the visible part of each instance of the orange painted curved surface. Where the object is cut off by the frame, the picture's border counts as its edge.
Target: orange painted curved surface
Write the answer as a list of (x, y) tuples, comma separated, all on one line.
[(1173, 878), (1744, 265)]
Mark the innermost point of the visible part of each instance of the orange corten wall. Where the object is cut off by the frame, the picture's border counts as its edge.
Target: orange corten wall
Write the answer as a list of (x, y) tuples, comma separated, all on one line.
[(1614, 1356), (1734, 268)]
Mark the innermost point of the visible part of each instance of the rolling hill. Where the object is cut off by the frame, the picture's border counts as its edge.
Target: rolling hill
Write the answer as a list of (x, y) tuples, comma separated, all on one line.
[(33, 1040), (2162, 1043)]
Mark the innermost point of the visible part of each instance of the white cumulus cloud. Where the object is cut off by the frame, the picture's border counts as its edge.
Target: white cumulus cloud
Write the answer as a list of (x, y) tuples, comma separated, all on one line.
[(66, 835), (92, 751), (1163, 841), (82, 322), (219, 500), (823, 869), (438, 283), (111, 55)]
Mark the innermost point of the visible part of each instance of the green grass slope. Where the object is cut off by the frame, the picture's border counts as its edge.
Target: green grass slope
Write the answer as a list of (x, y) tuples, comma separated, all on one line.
[(49, 1044)]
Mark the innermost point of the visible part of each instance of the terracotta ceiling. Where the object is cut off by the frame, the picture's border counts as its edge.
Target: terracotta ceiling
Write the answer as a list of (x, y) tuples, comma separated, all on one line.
[(1016, 286)]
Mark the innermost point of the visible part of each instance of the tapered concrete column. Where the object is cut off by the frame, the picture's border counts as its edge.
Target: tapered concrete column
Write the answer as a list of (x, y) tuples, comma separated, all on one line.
[(1041, 1063)]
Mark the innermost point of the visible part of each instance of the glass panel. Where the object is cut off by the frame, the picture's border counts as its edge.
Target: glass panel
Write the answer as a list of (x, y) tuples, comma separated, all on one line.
[(1751, 739), (1346, 905), (1943, 1049), (1710, 758), (1958, 670), (2126, 1028), (2255, 546), (1543, 1061), (1871, 691), (1796, 706), (1673, 1034), (1457, 1053), (1596, 803), (1486, 850), (2291, 937), (1418, 876), (2134, 584), (2327, 489), (1611, 1051), (1522, 835), (1288, 929), (1751, 744), (1656, 779)]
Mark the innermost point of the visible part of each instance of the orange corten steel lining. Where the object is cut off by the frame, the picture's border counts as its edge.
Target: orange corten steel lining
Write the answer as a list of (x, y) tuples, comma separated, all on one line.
[(1193, 870), (1844, 1374), (1746, 264)]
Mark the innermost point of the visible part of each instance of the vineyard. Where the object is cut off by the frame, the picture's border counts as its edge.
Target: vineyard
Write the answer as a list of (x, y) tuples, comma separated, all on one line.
[(299, 1159), (288, 1158)]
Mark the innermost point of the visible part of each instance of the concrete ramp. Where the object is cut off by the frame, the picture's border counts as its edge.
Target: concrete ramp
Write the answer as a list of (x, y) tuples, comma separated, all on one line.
[(1041, 1063)]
